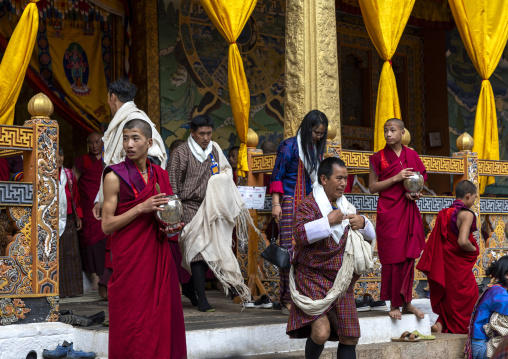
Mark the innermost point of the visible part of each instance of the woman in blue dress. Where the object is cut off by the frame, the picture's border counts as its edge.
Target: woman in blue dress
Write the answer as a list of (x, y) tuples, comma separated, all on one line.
[(494, 299), (293, 174)]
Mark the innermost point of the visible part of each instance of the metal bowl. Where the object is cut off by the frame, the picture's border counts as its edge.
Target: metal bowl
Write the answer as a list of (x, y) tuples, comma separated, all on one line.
[(414, 184), (172, 212)]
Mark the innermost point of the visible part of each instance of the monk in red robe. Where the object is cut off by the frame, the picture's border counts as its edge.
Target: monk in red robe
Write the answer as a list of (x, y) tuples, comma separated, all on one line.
[(145, 308), (399, 226), (4, 170), (88, 170), (448, 261)]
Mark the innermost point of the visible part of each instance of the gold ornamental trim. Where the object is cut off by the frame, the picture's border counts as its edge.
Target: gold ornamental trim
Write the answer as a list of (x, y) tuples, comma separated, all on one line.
[(492, 168), (16, 138)]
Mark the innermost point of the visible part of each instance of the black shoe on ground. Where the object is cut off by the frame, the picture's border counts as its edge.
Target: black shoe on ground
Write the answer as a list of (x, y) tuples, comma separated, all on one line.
[(263, 302), (76, 320), (379, 305), (98, 318), (189, 291), (361, 305), (31, 355), (66, 312)]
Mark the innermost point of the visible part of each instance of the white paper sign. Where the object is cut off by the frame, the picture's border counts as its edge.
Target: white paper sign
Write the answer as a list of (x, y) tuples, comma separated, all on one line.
[(254, 197)]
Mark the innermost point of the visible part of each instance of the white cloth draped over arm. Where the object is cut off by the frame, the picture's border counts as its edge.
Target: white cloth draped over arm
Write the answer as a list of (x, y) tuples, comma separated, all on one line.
[(368, 232), (318, 230)]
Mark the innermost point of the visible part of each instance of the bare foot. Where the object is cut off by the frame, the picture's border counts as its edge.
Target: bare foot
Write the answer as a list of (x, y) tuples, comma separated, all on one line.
[(437, 328), (103, 291), (95, 281), (395, 313), (408, 308)]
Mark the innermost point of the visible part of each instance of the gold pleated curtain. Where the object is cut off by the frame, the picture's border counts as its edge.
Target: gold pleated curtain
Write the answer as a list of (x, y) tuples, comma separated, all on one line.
[(483, 27), (15, 61), (385, 21), (230, 17)]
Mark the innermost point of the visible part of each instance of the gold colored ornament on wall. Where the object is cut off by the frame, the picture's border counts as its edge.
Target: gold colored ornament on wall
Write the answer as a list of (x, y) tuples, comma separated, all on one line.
[(252, 138), (465, 142), (406, 138)]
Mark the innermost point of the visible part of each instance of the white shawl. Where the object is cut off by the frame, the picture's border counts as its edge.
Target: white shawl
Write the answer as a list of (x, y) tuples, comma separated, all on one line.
[(306, 164), (62, 202), (210, 231), (198, 152), (358, 257), (113, 140)]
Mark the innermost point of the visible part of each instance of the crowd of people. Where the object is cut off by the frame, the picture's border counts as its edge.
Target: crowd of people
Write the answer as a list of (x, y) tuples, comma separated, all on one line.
[(108, 229)]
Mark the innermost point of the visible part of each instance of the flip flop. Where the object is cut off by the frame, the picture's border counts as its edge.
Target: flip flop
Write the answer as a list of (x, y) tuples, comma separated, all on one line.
[(423, 337), (407, 337)]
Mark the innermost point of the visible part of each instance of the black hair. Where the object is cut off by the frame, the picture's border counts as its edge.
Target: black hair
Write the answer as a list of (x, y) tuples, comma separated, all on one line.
[(326, 167), (175, 144), (123, 90), (268, 147), (144, 126), (234, 148), (463, 188), (60, 151), (498, 271), (201, 121), (312, 121), (398, 122)]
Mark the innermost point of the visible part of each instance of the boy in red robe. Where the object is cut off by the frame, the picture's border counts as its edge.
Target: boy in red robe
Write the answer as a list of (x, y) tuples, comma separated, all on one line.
[(399, 226), (145, 308), (448, 261)]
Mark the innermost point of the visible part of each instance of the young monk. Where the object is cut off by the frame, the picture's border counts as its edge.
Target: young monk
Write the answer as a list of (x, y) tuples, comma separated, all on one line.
[(399, 226), (145, 308), (448, 261)]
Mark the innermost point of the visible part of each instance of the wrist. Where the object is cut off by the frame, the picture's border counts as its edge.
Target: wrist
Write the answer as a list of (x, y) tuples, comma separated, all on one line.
[(275, 204)]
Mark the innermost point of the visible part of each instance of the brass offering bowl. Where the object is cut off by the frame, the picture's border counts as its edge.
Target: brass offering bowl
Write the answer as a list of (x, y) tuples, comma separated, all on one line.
[(414, 184)]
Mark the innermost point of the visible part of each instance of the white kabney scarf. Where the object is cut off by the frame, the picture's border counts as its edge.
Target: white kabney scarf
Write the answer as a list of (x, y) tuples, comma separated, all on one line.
[(210, 231), (358, 257), (306, 164), (113, 140), (62, 202), (198, 152)]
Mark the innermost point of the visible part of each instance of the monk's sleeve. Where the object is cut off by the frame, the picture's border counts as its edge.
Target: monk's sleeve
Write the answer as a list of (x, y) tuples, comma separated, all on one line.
[(75, 196), (282, 164), (307, 229), (375, 162), (176, 169)]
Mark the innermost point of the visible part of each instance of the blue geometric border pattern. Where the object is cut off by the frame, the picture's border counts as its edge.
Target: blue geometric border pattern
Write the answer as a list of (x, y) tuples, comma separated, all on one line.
[(368, 203), (16, 194)]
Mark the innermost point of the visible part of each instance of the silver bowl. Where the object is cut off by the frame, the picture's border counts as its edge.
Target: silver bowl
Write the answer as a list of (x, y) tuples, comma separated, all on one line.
[(171, 215), (414, 184)]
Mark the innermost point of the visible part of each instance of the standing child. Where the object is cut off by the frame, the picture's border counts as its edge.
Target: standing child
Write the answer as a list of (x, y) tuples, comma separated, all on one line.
[(448, 261), (399, 226)]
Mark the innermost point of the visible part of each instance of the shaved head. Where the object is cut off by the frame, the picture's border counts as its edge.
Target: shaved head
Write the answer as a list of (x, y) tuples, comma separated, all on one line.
[(95, 144), (396, 122), (141, 125), (94, 135)]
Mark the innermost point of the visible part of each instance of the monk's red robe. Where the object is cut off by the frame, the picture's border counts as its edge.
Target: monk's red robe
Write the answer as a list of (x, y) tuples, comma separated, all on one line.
[(452, 285), (145, 307), (399, 226), (4, 169), (92, 238)]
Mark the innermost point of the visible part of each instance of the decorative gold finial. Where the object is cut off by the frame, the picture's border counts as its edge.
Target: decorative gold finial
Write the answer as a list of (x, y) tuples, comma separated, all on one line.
[(332, 131), (406, 138), (40, 106), (252, 138), (465, 142)]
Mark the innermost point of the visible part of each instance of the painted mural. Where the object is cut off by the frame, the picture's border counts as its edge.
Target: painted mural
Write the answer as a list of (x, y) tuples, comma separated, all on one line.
[(464, 84), (193, 70)]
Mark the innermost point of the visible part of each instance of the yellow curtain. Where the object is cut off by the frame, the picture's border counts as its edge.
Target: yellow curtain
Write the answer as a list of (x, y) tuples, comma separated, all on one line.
[(483, 27), (230, 17), (385, 21), (15, 61)]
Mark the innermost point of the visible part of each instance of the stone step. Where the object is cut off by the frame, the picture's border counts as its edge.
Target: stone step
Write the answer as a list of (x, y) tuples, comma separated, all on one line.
[(445, 346)]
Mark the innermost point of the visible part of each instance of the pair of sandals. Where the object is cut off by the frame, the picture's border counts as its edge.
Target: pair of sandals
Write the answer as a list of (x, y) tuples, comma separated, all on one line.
[(414, 336)]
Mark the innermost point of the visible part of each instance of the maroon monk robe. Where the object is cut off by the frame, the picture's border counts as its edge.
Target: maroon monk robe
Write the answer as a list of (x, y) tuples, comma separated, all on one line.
[(145, 307), (399, 227), (92, 238), (4, 169), (449, 270)]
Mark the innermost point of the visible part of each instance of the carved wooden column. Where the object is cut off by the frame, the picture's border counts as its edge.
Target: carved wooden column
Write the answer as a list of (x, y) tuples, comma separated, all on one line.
[(312, 73)]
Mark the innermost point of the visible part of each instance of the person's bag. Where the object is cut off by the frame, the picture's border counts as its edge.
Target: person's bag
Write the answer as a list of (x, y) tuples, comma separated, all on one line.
[(275, 254)]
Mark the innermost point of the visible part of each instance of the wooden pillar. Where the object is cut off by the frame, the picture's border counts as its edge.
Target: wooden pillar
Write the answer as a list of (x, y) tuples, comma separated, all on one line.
[(312, 72), (145, 58)]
